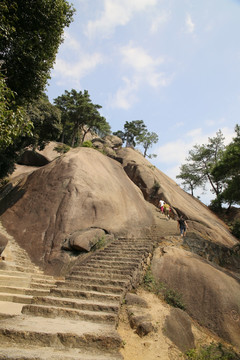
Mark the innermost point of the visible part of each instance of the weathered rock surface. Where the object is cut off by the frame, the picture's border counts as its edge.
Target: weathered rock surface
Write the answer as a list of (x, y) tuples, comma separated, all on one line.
[(84, 240), (78, 191), (132, 299), (156, 185), (178, 329), (3, 242), (32, 158), (211, 296)]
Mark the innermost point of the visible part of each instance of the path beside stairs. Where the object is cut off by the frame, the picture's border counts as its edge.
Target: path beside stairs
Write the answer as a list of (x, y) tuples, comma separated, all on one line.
[(72, 318)]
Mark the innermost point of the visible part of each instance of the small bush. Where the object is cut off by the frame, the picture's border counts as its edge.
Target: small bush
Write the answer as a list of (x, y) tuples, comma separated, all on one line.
[(211, 352), (160, 289), (173, 298), (87, 143), (100, 244), (62, 149)]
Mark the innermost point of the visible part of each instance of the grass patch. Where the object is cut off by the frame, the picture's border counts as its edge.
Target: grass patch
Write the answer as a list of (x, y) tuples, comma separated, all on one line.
[(62, 148), (100, 244), (211, 352), (172, 297)]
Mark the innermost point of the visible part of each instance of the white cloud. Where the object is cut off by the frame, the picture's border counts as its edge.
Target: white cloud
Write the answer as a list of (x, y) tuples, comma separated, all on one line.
[(125, 96), (73, 63), (159, 21), (70, 42), (138, 58), (177, 125), (190, 26), (74, 71), (215, 122), (116, 13), (144, 70), (174, 153)]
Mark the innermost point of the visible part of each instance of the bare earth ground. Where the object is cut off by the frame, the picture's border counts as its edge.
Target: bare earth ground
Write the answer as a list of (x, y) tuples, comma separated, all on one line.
[(155, 345)]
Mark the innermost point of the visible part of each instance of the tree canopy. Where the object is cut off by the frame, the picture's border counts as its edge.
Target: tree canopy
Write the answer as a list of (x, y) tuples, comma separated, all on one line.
[(227, 170), (200, 163), (79, 116), (215, 164), (135, 132), (30, 34), (13, 121)]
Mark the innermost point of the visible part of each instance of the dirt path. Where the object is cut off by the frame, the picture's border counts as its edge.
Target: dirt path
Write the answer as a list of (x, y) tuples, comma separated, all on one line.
[(155, 345)]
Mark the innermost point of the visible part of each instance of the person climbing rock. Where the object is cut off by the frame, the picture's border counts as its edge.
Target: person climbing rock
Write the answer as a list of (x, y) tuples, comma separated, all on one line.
[(161, 205), (182, 225), (166, 209)]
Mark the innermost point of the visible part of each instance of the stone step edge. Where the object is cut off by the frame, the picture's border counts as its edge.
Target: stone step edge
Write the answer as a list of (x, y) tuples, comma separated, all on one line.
[(51, 308), (51, 353)]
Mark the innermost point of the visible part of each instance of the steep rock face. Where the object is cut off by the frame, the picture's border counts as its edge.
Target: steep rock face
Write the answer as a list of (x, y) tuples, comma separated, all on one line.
[(210, 295), (155, 185), (82, 189)]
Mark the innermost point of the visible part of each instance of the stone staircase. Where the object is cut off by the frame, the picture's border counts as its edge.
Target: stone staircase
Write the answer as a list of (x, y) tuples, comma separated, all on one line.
[(73, 318)]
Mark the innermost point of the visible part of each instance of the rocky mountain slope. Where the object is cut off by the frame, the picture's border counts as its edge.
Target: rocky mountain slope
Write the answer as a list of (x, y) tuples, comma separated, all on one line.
[(61, 211)]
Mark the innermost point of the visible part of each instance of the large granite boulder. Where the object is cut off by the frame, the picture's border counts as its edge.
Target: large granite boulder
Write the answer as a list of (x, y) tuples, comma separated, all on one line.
[(155, 185), (210, 294), (82, 189)]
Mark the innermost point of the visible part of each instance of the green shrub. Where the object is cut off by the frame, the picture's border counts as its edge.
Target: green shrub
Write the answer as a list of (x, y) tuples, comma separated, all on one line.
[(172, 297), (100, 244), (62, 148), (211, 352), (87, 143)]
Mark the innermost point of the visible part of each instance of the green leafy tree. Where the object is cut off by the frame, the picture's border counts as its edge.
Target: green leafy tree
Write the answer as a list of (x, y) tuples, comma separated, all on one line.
[(13, 122), (227, 170), (46, 119), (79, 117), (147, 139), (132, 131), (200, 163), (191, 178), (30, 34)]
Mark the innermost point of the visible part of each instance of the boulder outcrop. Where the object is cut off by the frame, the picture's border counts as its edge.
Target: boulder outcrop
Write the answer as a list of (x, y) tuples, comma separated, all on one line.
[(155, 185), (82, 189), (211, 296)]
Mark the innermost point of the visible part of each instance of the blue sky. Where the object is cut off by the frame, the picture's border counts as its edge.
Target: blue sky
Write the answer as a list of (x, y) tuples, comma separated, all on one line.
[(173, 64)]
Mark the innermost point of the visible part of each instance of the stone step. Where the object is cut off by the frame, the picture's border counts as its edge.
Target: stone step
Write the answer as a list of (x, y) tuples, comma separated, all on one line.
[(84, 294), (51, 353), (117, 261), (91, 279), (58, 332), (24, 276), (99, 275), (113, 266), (117, 257), (14, 281), (55, 311), (102, 271), (40, 285), (129, 241), (32, 276), (80, 304), (130, 247), (21, 281), (22, 290), (8, 308), (24, 269), (16, 298), (114, 289), (13, 273), (123, 252)]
